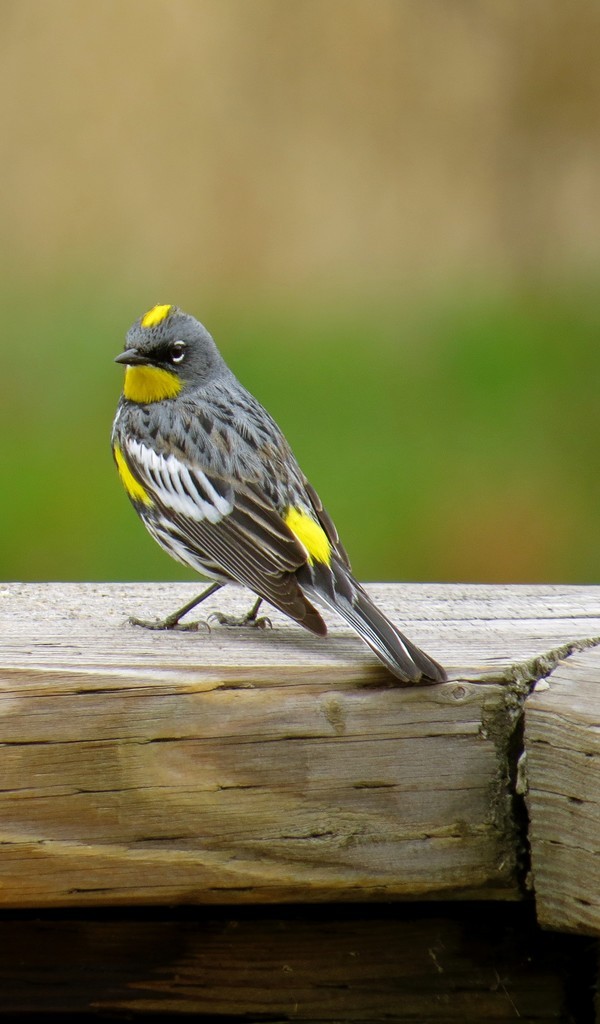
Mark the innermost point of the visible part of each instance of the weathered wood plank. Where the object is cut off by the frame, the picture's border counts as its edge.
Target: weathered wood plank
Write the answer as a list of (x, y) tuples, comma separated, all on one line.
[(478, 631), (232, 766), (447, 965), (562, 744)]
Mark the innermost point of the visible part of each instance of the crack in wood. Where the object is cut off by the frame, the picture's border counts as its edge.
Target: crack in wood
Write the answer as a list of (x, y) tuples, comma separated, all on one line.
[(509, 790)]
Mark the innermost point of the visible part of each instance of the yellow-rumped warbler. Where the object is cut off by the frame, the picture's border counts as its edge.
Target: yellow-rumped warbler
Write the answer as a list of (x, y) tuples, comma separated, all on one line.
[(216, 484)]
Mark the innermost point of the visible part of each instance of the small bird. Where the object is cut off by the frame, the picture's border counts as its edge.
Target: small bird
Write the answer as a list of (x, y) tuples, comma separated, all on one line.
[(215, 482)]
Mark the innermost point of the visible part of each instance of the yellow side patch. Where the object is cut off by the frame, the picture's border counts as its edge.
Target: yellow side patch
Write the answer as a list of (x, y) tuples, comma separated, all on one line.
[(310, 534), (133, 487), (150, 384), (155, 315)]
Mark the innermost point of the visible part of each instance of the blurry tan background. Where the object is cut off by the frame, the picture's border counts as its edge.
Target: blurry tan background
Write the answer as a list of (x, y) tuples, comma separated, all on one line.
[(387, 214)]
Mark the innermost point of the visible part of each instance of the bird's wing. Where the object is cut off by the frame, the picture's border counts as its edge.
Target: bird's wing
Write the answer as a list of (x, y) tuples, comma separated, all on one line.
[(327, 523), (226, 524)]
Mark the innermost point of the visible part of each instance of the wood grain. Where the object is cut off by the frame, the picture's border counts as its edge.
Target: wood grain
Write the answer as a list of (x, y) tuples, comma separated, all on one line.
[(264, 766), (406, 964), (562, 744)]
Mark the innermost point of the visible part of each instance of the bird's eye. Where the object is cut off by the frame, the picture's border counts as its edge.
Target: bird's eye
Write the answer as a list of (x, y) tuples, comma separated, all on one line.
[(177, 351)]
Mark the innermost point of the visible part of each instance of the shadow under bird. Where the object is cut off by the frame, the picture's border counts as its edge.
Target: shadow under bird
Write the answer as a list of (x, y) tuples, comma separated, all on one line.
[(215, 482)]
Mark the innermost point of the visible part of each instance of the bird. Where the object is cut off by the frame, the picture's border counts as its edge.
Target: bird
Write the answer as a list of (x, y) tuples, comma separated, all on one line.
[(216, 484)]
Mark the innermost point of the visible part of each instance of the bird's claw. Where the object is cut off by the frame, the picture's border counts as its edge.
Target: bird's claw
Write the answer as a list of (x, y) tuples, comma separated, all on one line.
[(169, 623), (233, 621)]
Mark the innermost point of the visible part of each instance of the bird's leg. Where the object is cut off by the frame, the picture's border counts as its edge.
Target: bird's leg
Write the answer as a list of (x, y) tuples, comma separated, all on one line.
[(250, 619), (172, 621)]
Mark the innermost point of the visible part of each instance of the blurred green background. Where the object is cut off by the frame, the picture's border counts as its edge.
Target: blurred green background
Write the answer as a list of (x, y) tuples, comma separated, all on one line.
[(387, 215)]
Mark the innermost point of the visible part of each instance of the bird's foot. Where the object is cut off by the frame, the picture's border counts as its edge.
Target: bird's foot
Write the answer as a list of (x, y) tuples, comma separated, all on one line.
[(171, 622), (249, 620)]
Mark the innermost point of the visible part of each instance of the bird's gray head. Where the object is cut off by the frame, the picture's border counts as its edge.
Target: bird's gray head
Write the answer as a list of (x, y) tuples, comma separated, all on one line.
[(167, 350)]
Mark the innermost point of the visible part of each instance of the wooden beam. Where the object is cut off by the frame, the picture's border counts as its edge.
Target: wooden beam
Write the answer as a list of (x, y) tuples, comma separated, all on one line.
[(562, 745), (251, 766), (440, 964)]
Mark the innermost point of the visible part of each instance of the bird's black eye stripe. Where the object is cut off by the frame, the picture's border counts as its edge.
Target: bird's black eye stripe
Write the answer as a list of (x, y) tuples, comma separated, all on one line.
[(177, 351)]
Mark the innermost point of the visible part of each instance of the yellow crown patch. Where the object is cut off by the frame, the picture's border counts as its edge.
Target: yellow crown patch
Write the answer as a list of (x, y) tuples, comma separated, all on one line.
[(155, 316)]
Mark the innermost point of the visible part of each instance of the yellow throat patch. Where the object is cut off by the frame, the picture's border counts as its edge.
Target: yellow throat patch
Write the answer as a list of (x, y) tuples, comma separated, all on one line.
[(310, 534), (156, 315), (150, 384), (134, 489)]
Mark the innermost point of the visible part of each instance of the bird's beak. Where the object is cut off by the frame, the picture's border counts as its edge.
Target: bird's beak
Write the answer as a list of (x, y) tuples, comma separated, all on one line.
[(131, 357)]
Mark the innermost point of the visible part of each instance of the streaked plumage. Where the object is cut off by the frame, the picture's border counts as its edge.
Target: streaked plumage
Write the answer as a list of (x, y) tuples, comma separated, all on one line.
[(215, 482)]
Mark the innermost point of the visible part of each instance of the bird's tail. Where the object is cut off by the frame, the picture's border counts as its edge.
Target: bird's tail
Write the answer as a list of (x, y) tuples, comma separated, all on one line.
[(340, 591)]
